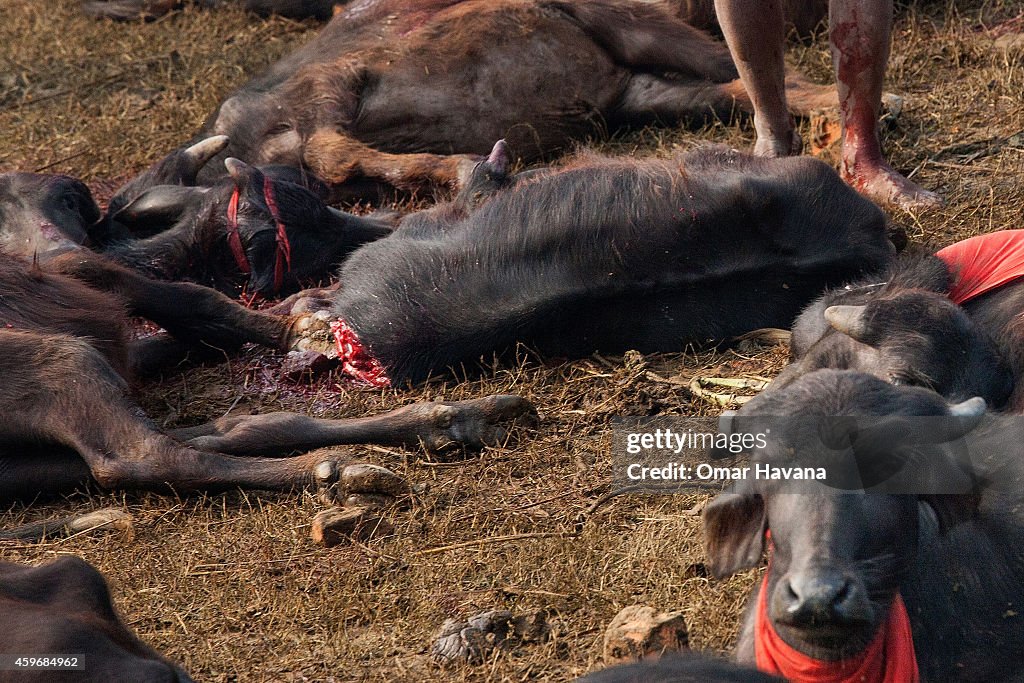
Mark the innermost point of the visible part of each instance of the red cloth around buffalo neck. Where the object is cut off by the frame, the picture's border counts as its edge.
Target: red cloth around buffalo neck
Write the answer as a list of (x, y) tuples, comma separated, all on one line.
[(356, 361), (890, 657), (983, 263)]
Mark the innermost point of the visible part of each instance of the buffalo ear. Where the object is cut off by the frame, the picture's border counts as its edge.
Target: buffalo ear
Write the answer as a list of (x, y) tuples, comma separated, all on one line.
[(498, 159), (242, 174), (162, 204), (734, 528)]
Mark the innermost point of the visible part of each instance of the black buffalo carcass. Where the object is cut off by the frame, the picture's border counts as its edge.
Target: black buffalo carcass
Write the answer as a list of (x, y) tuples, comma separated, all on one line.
[(63, 610), (267, 230), (403, 92), (897, 585), (605, 255)]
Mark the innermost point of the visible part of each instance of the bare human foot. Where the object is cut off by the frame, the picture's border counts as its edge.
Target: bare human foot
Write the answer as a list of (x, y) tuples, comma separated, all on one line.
[(878, 181), (785, 144), (860, 34)]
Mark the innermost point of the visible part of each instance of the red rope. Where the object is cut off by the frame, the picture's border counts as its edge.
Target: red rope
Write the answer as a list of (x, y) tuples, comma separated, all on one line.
[(284, 247), (283, 259), (234, 239), (356, 361), (889, 658)]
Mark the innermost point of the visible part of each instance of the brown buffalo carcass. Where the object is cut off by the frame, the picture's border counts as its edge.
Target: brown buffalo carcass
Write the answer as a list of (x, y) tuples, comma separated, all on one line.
[(66, 418), (804, 16), (60, 624), (399, 92)]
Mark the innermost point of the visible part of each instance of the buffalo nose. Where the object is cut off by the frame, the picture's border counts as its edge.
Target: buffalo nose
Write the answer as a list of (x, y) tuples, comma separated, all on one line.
[(823, 598)]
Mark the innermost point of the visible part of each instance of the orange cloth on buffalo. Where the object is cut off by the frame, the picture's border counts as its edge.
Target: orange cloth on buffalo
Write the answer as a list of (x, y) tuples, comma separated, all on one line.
[(983, 263), (889, 658)]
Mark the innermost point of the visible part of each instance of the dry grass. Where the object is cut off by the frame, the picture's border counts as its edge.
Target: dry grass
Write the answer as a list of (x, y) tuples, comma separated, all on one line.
[(230, 586)]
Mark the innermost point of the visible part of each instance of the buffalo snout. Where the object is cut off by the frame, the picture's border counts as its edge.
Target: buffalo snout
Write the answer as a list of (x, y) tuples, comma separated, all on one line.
[(820, 599)]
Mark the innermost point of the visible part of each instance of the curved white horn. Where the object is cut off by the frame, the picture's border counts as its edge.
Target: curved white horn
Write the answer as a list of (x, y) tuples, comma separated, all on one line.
[(847, 319), (972, 407), (204, 150)]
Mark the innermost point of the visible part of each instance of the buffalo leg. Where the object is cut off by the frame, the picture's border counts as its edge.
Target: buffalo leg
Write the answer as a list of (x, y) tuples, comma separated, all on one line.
[(438, 426), (191, 313), (647, 40), (338, 158), (61, 390), (650, 97)]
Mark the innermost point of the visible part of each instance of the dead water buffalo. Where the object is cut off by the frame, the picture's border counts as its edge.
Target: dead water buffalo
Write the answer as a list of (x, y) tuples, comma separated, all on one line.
[(66, 419), (398, 92), (605, 255), (804, 16), (949, 322), (259, 229), (877, 586), (267, 229), (63, 609), (40, 213)]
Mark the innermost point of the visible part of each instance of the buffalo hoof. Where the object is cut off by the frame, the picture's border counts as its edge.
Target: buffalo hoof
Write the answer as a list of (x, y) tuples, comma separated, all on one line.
[(341, 524), (305, 301), (360, 485), (476, 423), (312, 332), (365, 492)]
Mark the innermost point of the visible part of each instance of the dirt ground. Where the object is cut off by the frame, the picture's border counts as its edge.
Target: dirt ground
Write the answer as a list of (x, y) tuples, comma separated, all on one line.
[(231, 586)]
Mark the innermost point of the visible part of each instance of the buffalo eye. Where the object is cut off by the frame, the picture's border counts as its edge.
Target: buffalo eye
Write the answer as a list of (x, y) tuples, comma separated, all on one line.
[(911, 378)]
